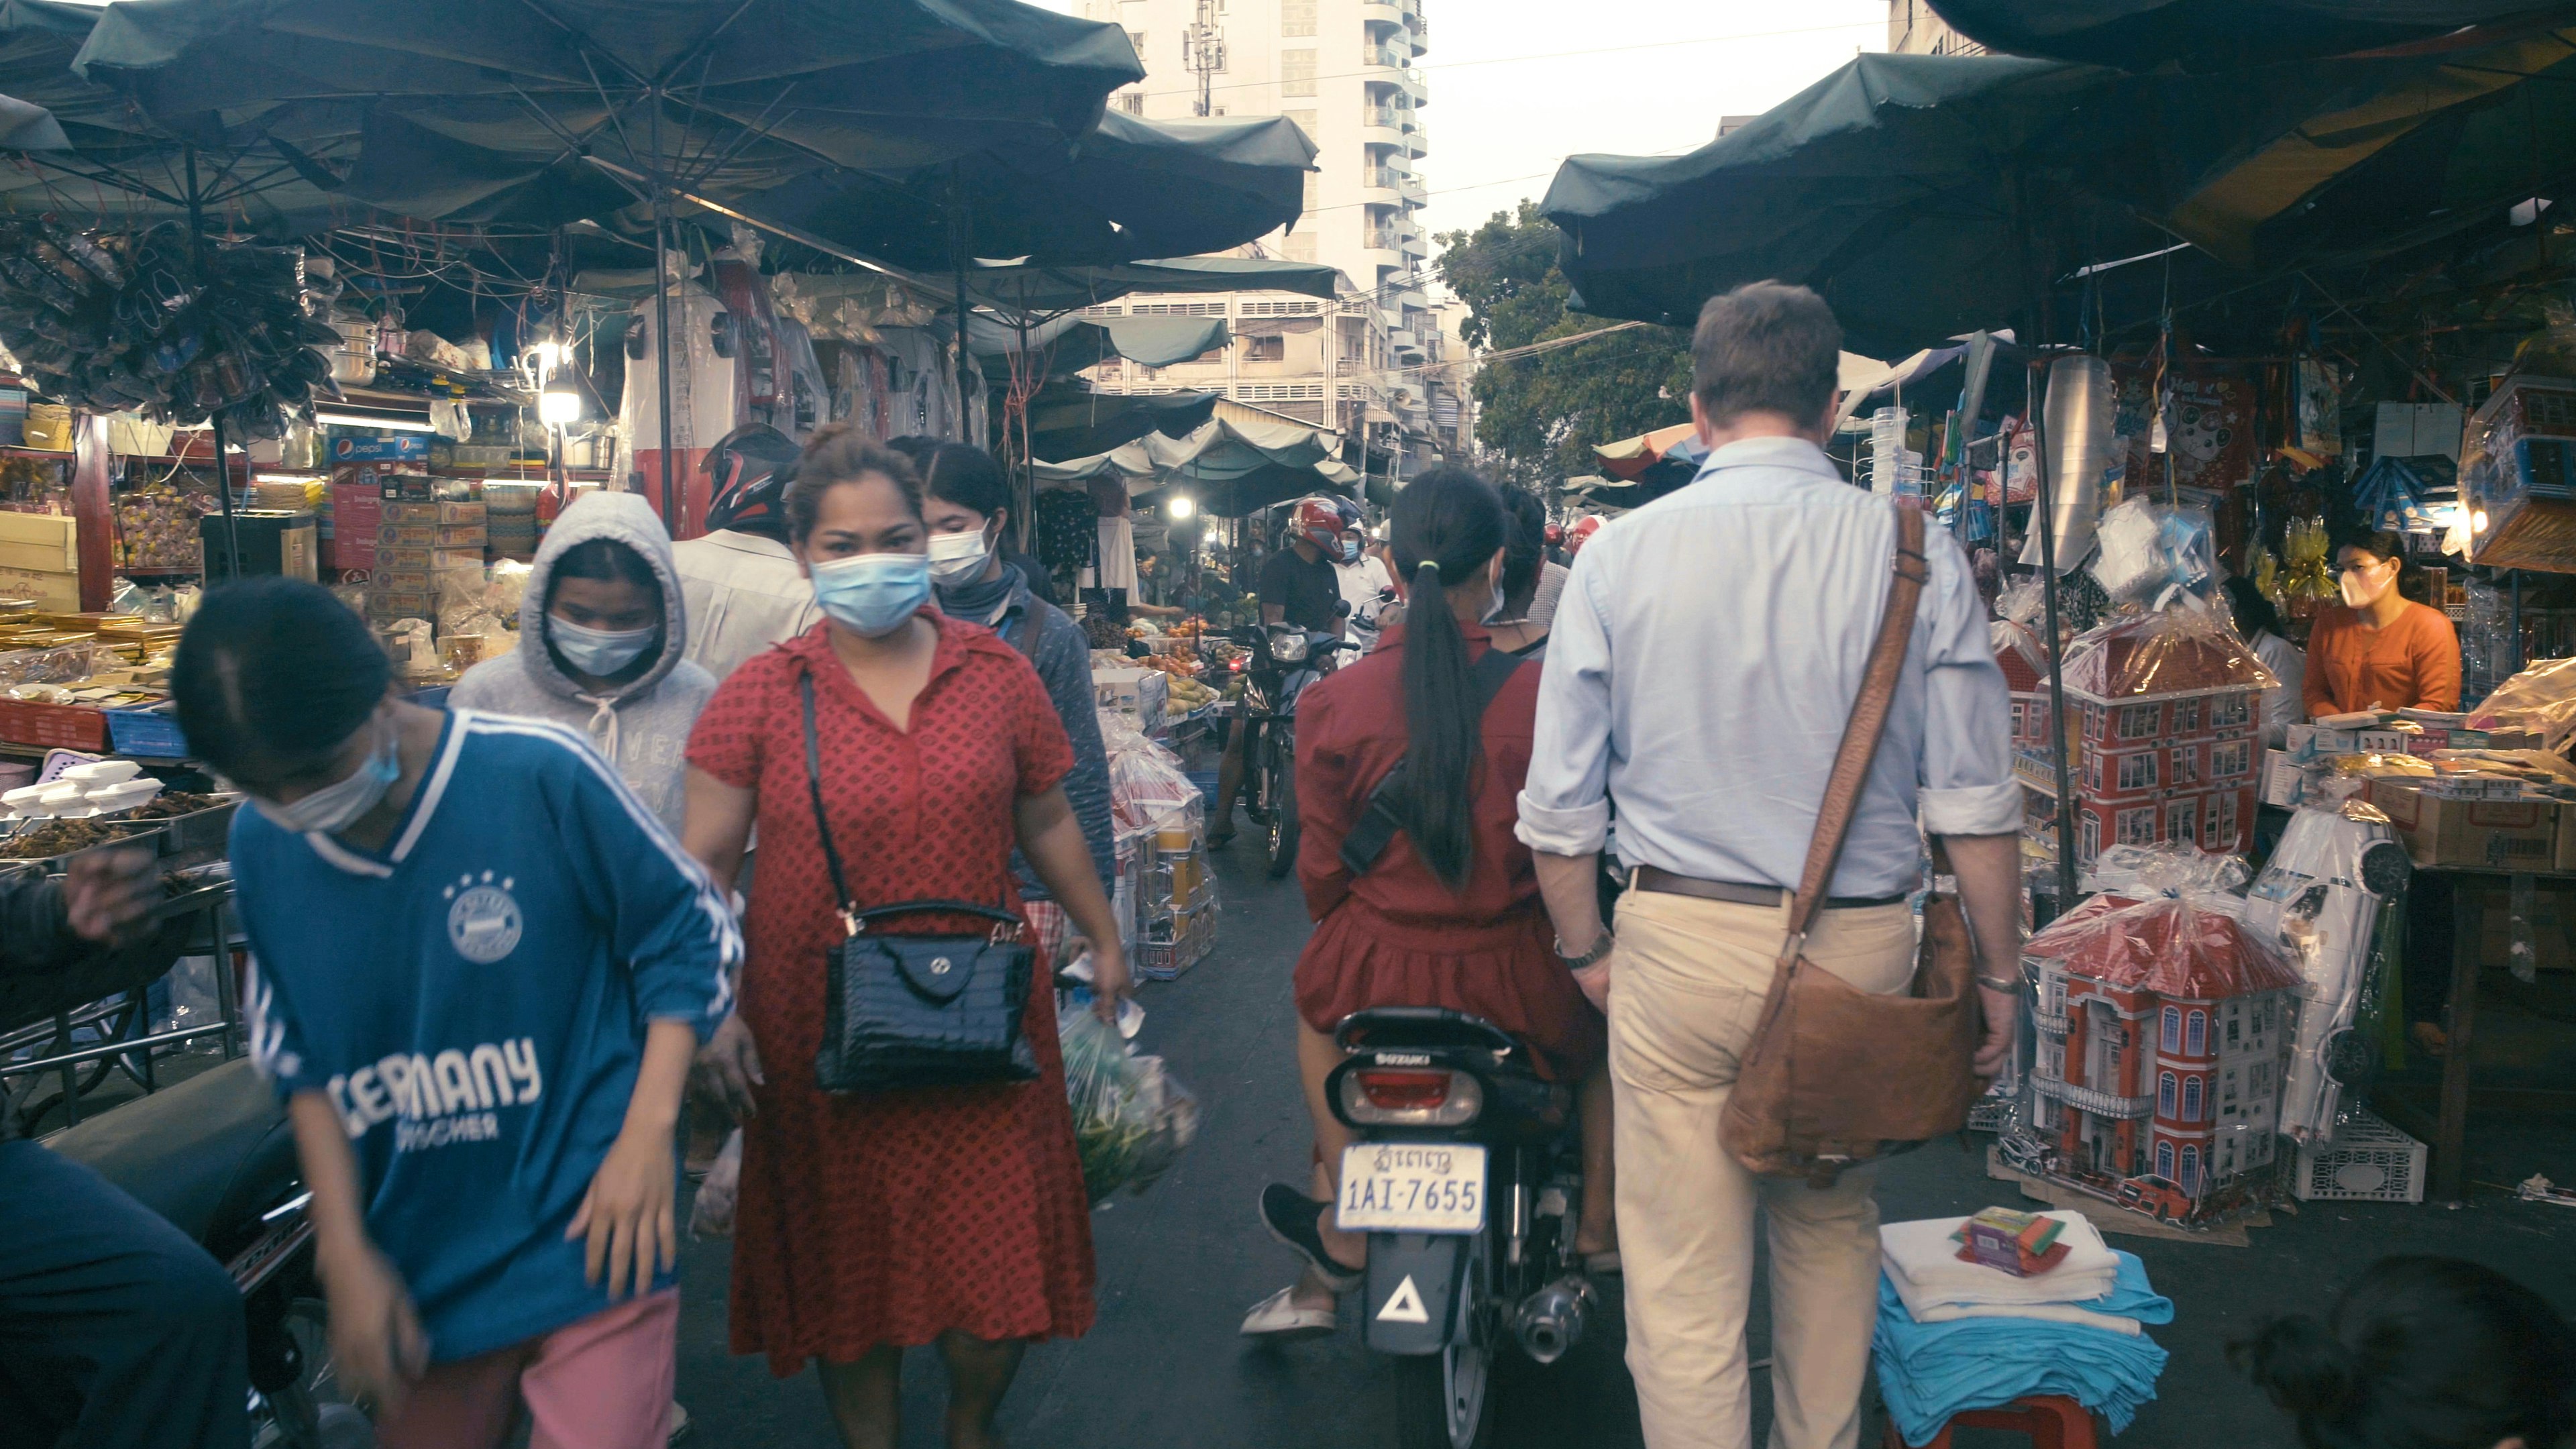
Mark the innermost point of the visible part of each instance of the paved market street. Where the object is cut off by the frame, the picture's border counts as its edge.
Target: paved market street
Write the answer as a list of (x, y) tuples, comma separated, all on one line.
[(1164, 1368)]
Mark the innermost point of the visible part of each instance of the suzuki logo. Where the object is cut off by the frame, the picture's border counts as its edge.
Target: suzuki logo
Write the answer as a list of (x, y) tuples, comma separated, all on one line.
[(1404, 1305)]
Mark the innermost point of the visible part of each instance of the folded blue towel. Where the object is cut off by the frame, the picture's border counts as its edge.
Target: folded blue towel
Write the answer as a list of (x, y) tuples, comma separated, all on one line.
[(1929, 1371)]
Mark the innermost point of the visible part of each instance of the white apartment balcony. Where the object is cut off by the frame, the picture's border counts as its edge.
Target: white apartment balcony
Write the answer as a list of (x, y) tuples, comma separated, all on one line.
[(1382, 240), (1405, 339), (1412, 301), (2051, 1022), (1384, 178), (1416, 135), (1415, 245), (1383, 56), (2100, 1104), (1410, 187)]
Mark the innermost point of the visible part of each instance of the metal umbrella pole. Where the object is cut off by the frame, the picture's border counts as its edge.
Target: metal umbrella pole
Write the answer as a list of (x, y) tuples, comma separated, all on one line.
[(662, 319), (957, 269), (223, 469)]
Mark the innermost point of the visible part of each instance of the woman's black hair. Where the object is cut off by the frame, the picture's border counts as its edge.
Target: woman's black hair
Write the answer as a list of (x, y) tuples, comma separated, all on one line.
[(840, 453), (606, 560), (967, 476), (2382, 545), (2254, 613), (1524, 552), (1447, 525), (275, 671), (2421, 1353)]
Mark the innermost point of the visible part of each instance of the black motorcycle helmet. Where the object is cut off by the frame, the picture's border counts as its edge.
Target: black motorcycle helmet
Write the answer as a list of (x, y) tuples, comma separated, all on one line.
[(750, 468)]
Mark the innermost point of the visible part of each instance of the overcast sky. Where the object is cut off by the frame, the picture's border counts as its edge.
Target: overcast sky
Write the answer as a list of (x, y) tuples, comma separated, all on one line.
[(1517, 85)]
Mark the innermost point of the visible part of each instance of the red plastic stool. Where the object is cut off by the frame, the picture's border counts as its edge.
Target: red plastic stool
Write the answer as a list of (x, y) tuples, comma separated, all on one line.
[(2052, 1421)]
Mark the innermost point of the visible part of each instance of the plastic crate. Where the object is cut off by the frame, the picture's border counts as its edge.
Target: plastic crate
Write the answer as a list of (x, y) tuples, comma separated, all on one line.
[(152, 734), (2365, 1161), (55, 726), (1205, 780)]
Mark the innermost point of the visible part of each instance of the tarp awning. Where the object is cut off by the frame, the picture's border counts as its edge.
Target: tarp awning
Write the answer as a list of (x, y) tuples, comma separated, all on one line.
[(1079, 342), (2141, 35), (1230, 466)]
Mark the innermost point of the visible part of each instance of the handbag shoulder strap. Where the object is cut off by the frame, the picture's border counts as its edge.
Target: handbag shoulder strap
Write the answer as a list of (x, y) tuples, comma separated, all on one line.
[(851, 915), (822, 822), (1376, 828), (1861, 736)]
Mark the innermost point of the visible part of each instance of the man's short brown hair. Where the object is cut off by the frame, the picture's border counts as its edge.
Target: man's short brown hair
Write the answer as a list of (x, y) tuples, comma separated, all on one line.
[(1766, 347)]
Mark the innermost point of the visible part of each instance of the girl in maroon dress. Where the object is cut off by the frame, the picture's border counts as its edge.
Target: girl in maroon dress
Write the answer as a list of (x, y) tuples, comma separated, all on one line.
[(1450, 914), (952, 1215)]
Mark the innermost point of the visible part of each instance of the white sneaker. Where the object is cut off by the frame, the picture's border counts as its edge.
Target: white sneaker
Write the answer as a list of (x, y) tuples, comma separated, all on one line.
[(1277, 1317), (679, 1423)]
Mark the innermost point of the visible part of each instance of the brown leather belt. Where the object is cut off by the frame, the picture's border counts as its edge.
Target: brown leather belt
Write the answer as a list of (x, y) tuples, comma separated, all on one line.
[(1656, 878)]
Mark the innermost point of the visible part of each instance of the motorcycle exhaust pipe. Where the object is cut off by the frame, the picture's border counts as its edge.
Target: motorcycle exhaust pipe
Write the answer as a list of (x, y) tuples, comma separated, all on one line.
[(1551, 1320)]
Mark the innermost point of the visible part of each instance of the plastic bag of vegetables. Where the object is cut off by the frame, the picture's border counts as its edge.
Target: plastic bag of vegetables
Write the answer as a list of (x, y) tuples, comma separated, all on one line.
[(1131, 1120)]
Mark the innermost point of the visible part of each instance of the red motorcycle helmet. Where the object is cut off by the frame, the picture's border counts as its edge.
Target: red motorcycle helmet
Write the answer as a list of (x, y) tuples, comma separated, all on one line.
[(1554, 534), (1318, 520), (1583, 529)]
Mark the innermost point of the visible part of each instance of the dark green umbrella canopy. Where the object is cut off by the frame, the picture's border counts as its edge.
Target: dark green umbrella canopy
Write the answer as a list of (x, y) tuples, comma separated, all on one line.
[(1130, 190), (2205, 35), (1892, 171), (854, 82), (1040, 290), (1926, 196)]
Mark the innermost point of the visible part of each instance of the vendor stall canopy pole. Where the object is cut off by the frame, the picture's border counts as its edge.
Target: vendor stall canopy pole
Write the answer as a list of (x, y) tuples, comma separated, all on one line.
[(223, 467), (662, 326), (957, 267)]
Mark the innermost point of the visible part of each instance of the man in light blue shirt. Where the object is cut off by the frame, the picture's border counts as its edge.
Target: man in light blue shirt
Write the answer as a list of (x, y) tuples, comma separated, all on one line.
[(1705, 658)]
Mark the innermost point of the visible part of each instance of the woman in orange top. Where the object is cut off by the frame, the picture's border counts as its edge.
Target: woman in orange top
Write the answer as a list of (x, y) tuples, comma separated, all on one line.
[(2379, 650)]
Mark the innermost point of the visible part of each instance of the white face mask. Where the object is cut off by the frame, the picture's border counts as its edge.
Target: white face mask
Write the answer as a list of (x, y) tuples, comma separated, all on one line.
[(338, 805), (599, 652), (2358, 592), (956, 558)]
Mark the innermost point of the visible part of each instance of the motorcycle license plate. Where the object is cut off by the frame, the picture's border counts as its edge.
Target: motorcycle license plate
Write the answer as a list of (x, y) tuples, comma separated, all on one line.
[(1412, 1187)]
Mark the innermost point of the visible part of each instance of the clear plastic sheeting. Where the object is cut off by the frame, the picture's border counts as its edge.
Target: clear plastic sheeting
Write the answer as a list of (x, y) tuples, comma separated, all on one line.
[(2187, 649), (2320, 900), (2542, 698), (1131, 1119), (2167, 868), (2148, 548)]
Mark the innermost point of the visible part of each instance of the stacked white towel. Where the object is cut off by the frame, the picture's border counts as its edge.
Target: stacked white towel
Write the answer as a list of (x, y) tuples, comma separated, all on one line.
[(1923, 1264)]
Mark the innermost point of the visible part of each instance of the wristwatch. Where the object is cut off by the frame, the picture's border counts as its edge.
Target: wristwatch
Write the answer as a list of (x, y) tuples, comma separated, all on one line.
[(1600, 948)]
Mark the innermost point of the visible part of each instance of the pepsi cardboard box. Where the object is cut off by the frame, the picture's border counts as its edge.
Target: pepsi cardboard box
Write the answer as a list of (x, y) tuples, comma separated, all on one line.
[(388, 448)]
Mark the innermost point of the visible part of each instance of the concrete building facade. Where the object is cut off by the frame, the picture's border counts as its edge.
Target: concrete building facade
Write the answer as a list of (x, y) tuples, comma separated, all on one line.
[(1370, 362)]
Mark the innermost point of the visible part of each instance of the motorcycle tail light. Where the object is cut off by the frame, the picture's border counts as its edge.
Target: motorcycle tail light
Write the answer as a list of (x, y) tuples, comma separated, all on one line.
[(1411, 1096), (1235, 664)]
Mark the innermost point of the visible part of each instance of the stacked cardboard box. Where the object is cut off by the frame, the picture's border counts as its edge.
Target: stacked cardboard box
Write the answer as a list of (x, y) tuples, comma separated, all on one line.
[(420, 544)]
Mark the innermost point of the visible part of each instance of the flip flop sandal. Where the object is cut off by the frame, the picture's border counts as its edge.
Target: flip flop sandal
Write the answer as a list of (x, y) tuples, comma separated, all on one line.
[(1281, 1320)]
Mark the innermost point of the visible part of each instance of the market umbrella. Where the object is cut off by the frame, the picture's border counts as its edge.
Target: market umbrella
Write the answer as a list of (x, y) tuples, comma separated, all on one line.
[(1129, 190), (2210, 34), (1904, 188), (674, 99), (1040, 289), (1073, 343), (1067, 422), (1229, 467)]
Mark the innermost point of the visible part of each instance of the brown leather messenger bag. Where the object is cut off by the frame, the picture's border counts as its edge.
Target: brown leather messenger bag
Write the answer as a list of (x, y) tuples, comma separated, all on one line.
[(1837, 1077)]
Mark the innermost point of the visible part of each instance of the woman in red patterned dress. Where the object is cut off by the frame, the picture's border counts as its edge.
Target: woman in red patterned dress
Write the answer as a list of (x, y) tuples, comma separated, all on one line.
[(952, 1215)]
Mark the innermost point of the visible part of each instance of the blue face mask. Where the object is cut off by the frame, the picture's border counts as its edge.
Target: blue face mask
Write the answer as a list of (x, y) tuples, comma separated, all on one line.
[(598, 652), (872, 593), (338, 805), (1350, 550)]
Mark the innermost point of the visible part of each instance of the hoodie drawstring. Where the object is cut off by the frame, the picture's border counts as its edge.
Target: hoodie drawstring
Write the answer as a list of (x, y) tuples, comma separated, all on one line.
[(603, 725)]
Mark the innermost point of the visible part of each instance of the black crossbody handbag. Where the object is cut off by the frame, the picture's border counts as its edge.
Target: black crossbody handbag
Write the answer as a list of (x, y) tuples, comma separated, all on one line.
[(916, 1011)]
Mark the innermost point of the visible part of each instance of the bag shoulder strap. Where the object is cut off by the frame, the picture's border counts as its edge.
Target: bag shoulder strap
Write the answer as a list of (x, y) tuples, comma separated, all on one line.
[(1376, 828), (851, 915), (822, 822), (1861, 736)]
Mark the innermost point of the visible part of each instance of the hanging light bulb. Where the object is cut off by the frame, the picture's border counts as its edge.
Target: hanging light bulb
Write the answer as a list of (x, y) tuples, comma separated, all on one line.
[(1182, 507), (558, 407)]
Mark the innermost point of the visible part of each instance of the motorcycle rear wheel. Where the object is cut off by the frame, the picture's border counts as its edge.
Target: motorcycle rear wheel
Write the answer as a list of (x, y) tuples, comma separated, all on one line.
[(1283, 813), (1445, 1400)]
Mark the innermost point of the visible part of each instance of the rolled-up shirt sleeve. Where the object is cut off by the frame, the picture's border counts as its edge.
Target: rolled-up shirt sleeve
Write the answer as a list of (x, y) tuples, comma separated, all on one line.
[(1967, 786), (1564, 804)]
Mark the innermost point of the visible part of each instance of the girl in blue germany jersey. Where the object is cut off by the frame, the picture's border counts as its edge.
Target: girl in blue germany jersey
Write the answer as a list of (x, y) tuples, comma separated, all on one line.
[(481, 970)]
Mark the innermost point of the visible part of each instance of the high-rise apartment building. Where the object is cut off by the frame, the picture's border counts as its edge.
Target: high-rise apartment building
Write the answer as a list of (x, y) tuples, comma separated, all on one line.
[(1344, 71), (1914, 29)]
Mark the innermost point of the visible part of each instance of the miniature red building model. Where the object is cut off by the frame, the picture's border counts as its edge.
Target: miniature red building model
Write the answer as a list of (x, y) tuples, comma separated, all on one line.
[(2161, 1033), (2166, 713)]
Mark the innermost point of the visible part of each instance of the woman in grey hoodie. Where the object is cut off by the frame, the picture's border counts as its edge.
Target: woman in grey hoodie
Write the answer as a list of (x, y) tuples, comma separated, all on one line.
[(601, 631)]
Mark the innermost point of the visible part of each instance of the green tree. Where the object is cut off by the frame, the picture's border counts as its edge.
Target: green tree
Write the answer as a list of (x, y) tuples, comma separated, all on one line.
[(1544, 412)]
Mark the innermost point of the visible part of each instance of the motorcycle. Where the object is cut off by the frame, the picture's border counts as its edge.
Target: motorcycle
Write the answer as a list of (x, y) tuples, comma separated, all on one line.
[(215, 1156), (1283, 660), (1466, 1175)]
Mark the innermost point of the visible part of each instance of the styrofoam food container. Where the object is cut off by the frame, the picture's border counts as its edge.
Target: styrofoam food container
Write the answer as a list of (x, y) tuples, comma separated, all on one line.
[(103, 772), (123, 796)]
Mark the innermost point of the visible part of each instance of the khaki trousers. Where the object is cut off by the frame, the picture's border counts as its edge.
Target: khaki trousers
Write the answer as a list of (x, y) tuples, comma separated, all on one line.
[(1687, 978)]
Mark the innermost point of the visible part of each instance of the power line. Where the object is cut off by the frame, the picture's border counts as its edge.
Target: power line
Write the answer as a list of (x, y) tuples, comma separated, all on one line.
[(1563, 54)]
